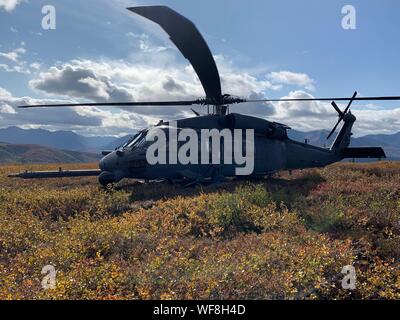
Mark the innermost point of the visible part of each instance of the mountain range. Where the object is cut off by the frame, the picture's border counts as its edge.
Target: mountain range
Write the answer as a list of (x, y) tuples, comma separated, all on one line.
[(67, 141), (63, 140), (23, 153)]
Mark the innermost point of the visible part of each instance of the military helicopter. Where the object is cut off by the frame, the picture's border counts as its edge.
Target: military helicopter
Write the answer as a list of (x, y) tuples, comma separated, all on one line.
[(273, 150)]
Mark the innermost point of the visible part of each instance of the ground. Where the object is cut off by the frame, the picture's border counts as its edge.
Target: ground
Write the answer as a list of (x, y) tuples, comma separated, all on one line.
[(285, 237)]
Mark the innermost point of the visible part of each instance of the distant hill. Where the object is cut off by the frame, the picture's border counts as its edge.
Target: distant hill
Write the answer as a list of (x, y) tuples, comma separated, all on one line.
[(63, 140), (316, 138), (22, 153), (117, 142), (97, 142), (383, 140)]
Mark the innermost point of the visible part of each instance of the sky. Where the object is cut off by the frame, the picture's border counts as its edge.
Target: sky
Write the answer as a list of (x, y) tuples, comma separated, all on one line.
[(101, 52)]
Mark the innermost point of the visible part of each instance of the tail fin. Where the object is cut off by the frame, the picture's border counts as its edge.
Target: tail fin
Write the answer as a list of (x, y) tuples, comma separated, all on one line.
[(342, 140), (341, 144)]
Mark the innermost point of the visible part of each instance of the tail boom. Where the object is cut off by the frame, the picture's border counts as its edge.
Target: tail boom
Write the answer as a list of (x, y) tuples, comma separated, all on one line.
[(364, 153)]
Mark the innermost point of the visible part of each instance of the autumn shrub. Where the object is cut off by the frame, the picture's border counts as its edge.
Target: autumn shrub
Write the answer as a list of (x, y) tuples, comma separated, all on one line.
[(243, 210), (286, 237)]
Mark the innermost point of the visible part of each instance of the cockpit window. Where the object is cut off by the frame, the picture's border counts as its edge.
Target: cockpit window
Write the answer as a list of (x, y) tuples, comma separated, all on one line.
[(146, 137), (136, 139)]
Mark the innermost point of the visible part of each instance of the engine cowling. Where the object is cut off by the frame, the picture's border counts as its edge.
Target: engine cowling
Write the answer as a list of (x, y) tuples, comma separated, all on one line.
[(260, 126)]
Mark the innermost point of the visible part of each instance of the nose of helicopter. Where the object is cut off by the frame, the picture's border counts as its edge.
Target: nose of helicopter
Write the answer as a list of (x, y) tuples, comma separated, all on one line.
[(103, 165), (110, 168), (109, 162)]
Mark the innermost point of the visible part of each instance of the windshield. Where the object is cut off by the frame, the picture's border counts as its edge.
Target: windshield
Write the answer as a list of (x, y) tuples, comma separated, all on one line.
[(135, 139), (146, 137)]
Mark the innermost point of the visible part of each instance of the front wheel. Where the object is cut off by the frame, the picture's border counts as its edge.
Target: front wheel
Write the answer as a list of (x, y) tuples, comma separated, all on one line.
[(106, 178)]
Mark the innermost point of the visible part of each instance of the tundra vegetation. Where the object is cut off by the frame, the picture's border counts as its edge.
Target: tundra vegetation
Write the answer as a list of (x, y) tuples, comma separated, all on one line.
[(285, 237)]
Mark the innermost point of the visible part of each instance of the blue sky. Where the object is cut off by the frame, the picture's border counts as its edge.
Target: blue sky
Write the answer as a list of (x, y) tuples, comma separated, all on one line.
[(101, 52)]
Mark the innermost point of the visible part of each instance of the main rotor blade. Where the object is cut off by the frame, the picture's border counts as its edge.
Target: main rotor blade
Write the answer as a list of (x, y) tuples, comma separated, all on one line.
[(389, 98), (184, 34), (334, 129), (116, 104), (202, 102)]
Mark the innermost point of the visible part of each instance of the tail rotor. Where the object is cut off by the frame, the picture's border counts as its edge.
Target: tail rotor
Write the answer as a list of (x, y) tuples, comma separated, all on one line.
[(341, 114)]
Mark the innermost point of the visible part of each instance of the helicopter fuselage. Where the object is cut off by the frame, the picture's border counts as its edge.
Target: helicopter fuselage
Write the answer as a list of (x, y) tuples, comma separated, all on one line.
[(273, 151)]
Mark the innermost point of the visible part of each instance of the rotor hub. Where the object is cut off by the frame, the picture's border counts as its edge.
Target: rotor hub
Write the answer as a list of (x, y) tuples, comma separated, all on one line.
[(221, 103)]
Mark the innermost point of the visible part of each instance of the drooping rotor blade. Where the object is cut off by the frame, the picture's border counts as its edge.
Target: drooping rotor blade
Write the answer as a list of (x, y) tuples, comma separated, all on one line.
[(117, 104), (184, 34), (388, 98)]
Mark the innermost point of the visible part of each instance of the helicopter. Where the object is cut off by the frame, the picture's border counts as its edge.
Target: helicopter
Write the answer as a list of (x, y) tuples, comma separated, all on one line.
[(272, 151)]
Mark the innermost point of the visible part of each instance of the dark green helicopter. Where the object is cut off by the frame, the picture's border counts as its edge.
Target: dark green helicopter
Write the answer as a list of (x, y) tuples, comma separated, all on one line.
[(272, 149)]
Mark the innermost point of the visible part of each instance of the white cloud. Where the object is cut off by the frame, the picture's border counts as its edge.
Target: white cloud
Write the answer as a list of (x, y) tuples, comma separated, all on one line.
[(9, 5), (17, 68), (13, 55), (71, 80), (148, 47), (314, 115), (163, 79), (35, 65), (304, 116), (87, 120), (377, 121), (292, 78), (37, 33), (242, 82), (110, 80), (145, 44), (137, 36), (5, 108)]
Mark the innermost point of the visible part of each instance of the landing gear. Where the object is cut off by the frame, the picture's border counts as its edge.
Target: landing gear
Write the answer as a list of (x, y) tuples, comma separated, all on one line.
[(106, 178)]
